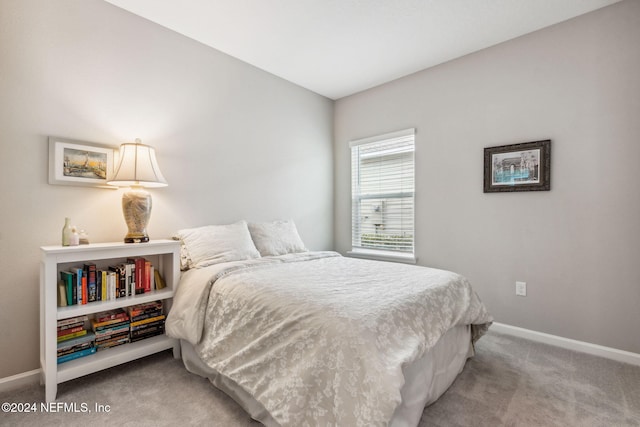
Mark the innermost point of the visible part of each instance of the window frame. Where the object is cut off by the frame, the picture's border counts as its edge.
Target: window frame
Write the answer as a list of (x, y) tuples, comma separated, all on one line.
[(380, 253)]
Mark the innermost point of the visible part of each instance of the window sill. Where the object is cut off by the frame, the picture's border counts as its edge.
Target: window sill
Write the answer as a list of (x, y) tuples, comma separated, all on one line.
[(382, 256)]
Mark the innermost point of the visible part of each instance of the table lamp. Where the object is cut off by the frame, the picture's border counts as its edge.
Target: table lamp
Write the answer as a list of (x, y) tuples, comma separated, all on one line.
[(137, 169)]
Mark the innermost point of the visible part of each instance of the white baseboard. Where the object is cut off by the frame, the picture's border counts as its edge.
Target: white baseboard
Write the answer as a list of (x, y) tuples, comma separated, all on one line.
[(15, 381), (581, 346)]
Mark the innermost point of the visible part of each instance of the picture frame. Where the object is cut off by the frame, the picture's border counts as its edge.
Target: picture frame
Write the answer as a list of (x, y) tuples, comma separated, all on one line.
[(80, 163), (518, 167)]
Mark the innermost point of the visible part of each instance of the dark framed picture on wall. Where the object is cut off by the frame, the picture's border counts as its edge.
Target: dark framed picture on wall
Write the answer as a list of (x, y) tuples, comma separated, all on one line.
[(518, 167)]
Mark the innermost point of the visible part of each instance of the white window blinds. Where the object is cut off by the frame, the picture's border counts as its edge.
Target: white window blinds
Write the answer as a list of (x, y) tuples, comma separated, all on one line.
[(382, 191)]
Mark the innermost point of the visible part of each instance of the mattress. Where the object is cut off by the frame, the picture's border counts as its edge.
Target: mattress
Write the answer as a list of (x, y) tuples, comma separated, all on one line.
[(426, 379)]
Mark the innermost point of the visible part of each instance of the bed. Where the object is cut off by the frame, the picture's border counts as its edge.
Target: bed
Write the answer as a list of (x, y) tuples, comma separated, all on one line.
[(302, 337)]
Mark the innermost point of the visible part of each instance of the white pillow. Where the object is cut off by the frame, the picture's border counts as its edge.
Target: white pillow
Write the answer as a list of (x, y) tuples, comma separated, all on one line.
[(276, 238), (214, 244)]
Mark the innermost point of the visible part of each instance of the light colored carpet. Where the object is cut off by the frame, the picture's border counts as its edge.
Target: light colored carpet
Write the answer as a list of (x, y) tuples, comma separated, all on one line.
[(510, 382)]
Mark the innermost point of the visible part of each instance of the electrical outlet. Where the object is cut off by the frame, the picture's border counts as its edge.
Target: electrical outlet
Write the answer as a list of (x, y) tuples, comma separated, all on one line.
[(521, 289)]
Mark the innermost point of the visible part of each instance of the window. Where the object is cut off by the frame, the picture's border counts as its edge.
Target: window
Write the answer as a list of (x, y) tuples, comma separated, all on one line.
[(382, 194)]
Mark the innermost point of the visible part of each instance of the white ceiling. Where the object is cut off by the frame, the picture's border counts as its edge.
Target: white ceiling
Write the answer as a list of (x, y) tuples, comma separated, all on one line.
[(340, 47)]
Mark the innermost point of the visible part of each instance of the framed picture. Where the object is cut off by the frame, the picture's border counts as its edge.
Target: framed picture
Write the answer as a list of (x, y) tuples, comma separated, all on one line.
[(79, 163), (518, 167)]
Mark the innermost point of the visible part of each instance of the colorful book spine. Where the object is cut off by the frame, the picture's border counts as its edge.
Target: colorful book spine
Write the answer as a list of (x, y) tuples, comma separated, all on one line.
[(117, 313), (90, 274), (78, 279), (73, 349), (112, 285), (147, 335), (159, 280), (71, 320), (104, 281), (147, 280), (129, 274), (62, 294), (88, 337), (68, 331), (138, 309), (76, 355), (67, 326), (118, 329), (85, 292), (152, 278), (138, 263), (144, 316), (67, 279), (149, 320), (108, 323), (72, 335)]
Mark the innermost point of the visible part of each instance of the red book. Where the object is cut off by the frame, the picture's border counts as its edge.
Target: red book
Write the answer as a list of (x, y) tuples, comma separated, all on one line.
[(139, 263), (70, 331), (84, 290), (117, 313), (147, 276)]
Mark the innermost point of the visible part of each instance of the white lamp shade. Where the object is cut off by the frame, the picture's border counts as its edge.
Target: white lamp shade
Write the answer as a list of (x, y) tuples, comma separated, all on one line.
[(138, 167)]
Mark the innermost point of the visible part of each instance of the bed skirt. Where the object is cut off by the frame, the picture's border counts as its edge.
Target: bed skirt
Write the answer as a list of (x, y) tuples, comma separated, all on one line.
[(425, 380)]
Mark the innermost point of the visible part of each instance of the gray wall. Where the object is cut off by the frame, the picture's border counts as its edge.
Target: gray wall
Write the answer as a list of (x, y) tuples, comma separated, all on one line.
[(577, 246), (233, 141)]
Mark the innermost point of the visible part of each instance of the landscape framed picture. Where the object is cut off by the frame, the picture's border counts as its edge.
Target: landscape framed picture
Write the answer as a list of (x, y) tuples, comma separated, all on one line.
[(518, 167), (79, 163)]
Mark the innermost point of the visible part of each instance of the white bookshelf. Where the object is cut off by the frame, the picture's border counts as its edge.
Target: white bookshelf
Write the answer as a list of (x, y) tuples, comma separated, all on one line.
[(164, 255)]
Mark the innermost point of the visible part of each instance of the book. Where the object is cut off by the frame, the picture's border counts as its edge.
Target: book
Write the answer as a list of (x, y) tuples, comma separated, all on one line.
[(71, 320), (129, 274), (99, 326), (147, 325), (70, 325), (98, 285), (147, 330), (85, 294), (88, 337), (72, 335), (111, 285), (146, 315), (78, 347), (112, 343), (103, 288), (160, 284), (122, 281), (90, 274), (62, 294), (145, 276), (138, 309), (138, 263), (116, 313), (76, 355), (149, 320), (77, 275), (67, 279), (142, 337), (107, 338), (63, 332), (112, 330)]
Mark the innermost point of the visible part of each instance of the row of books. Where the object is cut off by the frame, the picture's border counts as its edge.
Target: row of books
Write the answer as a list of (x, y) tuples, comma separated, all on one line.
[(81, 336), (82, 285), (74, 339)]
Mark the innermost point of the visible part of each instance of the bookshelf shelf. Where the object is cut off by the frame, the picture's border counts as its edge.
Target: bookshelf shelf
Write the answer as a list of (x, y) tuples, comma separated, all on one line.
[(93, 307), (112, 357), (165, 257)]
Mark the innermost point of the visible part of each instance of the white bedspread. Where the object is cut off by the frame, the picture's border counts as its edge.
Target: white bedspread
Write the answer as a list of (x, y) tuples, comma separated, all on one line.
[(317, 338)]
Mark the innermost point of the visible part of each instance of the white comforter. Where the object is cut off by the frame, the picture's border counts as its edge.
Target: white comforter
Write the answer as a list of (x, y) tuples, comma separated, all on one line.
[(317, 338)]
